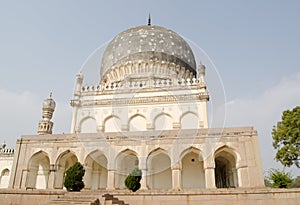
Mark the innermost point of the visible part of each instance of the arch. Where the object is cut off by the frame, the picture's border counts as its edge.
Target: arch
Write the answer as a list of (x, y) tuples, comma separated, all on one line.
[(159, 174), (125, 162), (64, 161), (163, 121), (225, 167), (189, 120), (137, 123), (112, 124), (88, 125), (193, 176), (95, 170), (38, 171), (4, 178)]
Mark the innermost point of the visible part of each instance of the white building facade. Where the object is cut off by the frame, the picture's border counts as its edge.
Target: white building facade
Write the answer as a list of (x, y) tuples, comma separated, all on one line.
[(148, 111)]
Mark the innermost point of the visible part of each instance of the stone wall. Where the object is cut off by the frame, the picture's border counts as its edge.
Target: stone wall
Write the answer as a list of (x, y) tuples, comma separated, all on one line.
[(193, 197), (27, 197), (215, 197)]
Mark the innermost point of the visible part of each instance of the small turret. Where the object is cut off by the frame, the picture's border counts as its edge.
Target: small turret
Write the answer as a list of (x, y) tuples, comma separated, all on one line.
[(46, 125), (79, 79), (201, 72)]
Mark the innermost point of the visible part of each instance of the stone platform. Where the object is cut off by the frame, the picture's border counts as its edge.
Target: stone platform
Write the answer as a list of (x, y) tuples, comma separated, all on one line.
[(123, 197)]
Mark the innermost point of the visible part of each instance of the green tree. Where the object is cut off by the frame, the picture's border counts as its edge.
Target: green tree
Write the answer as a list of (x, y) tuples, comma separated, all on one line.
[(286, 138), (73, 180), (132, 181), (279, 179)]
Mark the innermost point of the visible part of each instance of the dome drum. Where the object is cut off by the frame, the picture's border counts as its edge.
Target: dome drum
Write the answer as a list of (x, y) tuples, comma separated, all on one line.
[(143, 46)]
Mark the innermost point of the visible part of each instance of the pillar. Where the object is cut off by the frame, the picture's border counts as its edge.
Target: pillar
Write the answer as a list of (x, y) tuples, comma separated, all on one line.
[(143, 168), (88, 177), (51, 176), (110, 179), (210, 182), (176, 176)]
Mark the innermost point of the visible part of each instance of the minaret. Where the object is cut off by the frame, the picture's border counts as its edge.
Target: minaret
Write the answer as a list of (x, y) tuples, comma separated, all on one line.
[(75, 103), (46, 125), (201, 72)]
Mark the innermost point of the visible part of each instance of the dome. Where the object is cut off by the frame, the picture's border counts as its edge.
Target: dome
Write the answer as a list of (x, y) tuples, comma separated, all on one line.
[(49, 103), (148, 43)]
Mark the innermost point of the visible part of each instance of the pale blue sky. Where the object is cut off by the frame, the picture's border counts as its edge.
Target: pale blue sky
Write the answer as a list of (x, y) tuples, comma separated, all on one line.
[(255, 46)]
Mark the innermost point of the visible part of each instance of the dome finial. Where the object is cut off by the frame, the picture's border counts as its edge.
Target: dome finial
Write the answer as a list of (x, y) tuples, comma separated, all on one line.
[(149, 20), (51, 94)]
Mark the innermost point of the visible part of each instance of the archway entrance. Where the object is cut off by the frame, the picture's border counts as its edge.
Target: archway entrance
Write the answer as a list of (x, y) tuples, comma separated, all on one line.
[(225, 170), (95, 171), (38, 171), (63, 163), (159, 170), (125, 163), (192, 171)]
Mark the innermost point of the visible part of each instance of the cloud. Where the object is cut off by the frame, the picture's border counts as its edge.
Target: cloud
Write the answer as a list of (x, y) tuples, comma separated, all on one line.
[(263, 111), (21, 112)]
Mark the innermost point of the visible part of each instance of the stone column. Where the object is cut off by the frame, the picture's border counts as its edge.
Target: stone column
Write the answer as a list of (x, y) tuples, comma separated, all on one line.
[(209, 171), (210, 182), (110, 179), (88, 177), (59, 178), (176, 176), (143, 168), (51, 176)]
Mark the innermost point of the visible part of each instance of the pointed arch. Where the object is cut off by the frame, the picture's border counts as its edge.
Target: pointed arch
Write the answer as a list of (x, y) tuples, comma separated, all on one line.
[(125, 162), (225, 167), (63, 162), (38, 170), (159, 174), (137, 123), (95, 170), (112, 123), (193, 176), (4, 178), (189, 120), (163, 121), (88, 125)]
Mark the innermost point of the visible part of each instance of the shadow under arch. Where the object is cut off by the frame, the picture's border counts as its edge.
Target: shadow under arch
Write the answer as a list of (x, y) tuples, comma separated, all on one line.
[(189, 120), (226, 159), (95, 165), (88, 125), (63, 162), (159, 173), (125, 162), (137, 122), (166, 123), (111, 125), (38, 171), (192, 169)]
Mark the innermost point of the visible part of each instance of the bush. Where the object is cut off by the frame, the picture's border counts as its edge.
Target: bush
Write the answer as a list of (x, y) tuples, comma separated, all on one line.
[(73, 180), (132, 181), (279, 179)]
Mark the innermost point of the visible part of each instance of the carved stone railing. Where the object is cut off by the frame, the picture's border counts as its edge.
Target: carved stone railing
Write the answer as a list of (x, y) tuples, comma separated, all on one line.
[(140, 84), (7, 152)]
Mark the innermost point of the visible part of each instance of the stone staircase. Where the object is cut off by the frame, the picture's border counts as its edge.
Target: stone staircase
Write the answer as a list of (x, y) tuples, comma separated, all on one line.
[(85, 198)]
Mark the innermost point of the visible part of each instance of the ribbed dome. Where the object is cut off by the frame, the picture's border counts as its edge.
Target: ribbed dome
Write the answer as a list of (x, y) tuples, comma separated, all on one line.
[(148, 43)]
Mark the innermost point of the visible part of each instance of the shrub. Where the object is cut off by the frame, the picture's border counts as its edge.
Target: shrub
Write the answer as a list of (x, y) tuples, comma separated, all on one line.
[(279, 179), (73, 180), (132, 181)]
